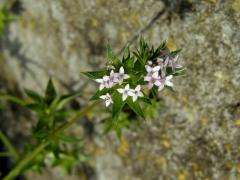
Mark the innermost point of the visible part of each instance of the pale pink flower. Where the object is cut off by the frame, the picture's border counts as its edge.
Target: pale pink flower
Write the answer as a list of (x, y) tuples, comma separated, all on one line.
[(125, 92), (164, 81), (121, 75), (104, 82), (107, 98), (135, 93), (152, 79)]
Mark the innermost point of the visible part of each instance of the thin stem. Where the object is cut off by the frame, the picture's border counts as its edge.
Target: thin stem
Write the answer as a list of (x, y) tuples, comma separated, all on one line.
[(75, 119), (17, 170), (29, 157), (9, 145), (5, 154)]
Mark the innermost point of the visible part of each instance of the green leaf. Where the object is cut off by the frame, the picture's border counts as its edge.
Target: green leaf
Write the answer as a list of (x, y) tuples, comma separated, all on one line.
[(68, 139), (112, 57), (163, 45), (139, 67), (128, 64), (180, 72), (100, 93), (13, 99), (145, 100), (95, 74), (117, 124), (126, 53), (136, 108), (34, 96), (154, 91), (55, 148), (50, 93), (143, 44), (66, 99), (117, 104), (34, 107), (174, 53)]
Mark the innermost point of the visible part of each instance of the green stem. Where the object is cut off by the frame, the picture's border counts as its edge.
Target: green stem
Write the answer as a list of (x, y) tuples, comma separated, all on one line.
[(24, 162), (9, 145), (29, 157), (5, 154)]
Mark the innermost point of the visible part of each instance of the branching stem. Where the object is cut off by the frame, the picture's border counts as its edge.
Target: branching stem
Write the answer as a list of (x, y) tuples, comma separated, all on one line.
[(39, 148)]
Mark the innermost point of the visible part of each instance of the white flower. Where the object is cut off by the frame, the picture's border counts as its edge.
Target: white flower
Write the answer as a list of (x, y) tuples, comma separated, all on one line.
[(173, 63), (163, 65), (149, 62), (107, 98), (152, 75), (135, 93), (125, 92), (104, 82), (152, 79), (121, 75), (164, 81), (151, 70), (113, 78)]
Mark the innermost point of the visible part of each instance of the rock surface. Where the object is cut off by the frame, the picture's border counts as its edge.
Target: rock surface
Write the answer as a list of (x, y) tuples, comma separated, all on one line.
[(196, 135)]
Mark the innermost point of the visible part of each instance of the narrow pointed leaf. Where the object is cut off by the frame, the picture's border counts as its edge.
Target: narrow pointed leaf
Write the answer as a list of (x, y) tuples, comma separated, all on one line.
[(34, 96), (68, 139), (100, 93), (50, 93), (13, 99), (117, 104), (112, 57), (136, 108), (95, 74)]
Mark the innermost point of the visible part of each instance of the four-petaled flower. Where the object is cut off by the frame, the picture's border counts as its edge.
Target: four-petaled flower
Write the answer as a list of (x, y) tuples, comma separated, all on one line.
[(161, 82), (173, 63), (113, 79), (107, 98), (151, 70), (104, 82), (135, 93), (125, 92), (121, 76), (163, 65), (152, 79)]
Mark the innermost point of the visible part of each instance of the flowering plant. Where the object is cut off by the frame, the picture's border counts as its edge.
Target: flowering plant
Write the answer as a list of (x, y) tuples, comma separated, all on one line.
[(137, 76), (124, 84)]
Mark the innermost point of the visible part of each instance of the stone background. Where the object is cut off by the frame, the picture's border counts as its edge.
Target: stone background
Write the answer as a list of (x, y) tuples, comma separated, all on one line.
[(196, 133)]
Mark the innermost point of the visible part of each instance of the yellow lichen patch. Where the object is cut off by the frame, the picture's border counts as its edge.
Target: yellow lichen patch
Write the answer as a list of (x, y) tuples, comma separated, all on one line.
[(228, 147), (237, 123), (135, 20), (161, 161), (94, 22), (220, 75), (171, 44), (94, 150), (166, 141), (199, 173), (204, 121), (236, 5), (123, 149), (183, 175), (238, 168), (229, 165)]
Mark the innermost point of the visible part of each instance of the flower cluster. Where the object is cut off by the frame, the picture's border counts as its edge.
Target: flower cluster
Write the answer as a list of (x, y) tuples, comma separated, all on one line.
[(112, 79), (117, 79), (124, 83), (160, 80)]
